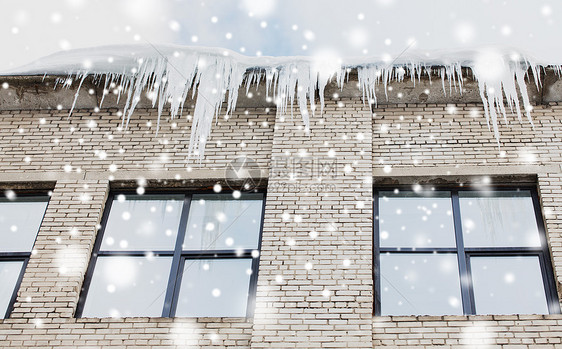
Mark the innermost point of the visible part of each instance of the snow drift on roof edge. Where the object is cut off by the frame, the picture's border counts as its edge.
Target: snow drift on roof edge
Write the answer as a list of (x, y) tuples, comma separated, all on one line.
[(168, 73)]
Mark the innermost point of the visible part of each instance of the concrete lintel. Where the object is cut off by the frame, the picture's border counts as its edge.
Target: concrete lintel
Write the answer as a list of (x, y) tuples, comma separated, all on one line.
[(39, 176), (196, 174), (219, 174), (51, 176), (467, 170)]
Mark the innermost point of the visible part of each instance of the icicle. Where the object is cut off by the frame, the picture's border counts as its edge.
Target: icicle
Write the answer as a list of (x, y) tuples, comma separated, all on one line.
[(214, 77), (77, 92), (520, 76), (442, 73)]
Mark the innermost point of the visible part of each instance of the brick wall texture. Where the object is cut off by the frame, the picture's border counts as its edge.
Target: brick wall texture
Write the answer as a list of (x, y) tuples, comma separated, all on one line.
[(315, 281)]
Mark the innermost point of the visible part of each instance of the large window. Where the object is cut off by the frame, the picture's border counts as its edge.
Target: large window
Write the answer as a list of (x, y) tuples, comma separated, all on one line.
[(20, 219), (446, 252), (192, 255)]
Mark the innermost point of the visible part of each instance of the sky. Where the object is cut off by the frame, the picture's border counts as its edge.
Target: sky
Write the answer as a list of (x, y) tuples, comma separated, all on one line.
[(30, 29)]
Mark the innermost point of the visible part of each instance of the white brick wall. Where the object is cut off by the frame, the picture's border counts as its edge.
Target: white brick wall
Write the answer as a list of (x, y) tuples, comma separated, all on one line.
[(293, 311), (324, 299), (53, 277), (93, 141)]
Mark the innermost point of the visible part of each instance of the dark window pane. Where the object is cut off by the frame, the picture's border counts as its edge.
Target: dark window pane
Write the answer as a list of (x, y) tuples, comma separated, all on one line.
[(498, 219), (143, 223), (508, 285), (410, 220), (19, 222), (221, 222), (420, 284), (128, 286), (9, 274), (214, 288)]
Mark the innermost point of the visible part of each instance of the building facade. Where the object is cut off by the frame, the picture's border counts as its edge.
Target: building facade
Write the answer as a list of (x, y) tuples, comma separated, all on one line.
[(315, 281)]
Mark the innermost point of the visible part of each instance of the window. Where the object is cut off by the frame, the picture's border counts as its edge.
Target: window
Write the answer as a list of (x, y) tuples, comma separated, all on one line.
[(20, 219), (457, 251), (192, 255)]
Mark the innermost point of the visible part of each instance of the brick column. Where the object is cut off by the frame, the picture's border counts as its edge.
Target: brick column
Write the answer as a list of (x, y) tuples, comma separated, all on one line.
[(315, 278), (550, 187), (51, 284)]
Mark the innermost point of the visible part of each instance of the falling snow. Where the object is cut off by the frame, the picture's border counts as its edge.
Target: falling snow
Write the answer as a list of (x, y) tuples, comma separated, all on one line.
[(170, 74)]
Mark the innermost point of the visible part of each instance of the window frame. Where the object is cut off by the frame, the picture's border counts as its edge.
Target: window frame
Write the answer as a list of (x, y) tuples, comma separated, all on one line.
[(23, 256), (178, 255), (465, 253), (15, 257)]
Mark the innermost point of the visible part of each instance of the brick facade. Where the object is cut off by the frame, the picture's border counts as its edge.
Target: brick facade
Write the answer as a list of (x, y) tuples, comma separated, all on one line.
[(324, 295), (315, 284)]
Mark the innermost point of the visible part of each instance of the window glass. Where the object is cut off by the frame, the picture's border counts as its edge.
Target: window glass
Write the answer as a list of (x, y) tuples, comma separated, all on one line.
[(128, 286), (498, 219), (19, 222), (9, 274), (214, 288), (420, 284), (221, 222), (143, 223), (508, 285), (141, 249), (409, 220)]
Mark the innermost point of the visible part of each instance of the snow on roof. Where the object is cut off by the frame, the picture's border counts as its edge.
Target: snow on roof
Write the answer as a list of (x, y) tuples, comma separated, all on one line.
[(168, 73)]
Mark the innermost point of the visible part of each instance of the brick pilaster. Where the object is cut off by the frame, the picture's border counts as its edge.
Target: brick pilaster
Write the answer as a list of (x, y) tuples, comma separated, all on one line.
[(315, 276), (51, 284)]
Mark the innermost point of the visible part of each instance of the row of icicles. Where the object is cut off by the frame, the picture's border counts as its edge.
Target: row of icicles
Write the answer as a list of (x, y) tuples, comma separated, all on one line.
[(212, 79)]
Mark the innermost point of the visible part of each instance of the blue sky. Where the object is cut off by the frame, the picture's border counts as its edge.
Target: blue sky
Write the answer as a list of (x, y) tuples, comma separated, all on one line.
[(30, 29)]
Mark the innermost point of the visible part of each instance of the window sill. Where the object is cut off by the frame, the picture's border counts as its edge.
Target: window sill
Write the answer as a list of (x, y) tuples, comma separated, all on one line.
[(518, 317), (166, 319)]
